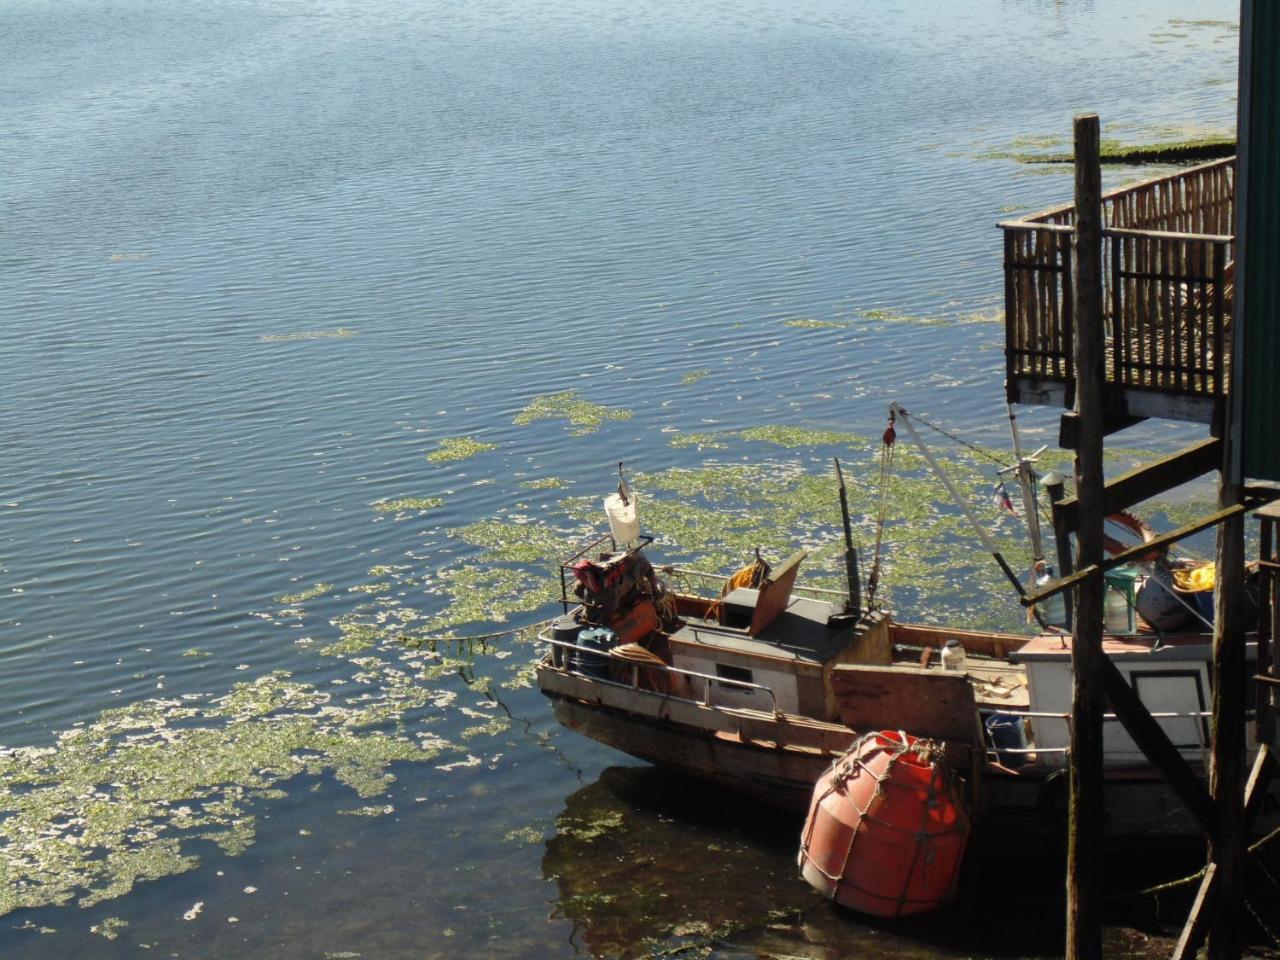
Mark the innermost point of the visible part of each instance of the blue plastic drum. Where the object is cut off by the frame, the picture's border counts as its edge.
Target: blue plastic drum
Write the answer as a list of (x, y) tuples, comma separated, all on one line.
[(1008, 732)]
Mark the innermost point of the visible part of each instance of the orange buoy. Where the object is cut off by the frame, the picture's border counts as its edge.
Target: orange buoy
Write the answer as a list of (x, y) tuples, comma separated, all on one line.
[(887, 828)]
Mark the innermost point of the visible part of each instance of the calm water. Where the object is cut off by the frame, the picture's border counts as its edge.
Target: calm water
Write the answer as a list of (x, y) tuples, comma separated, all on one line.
[(259, 259)]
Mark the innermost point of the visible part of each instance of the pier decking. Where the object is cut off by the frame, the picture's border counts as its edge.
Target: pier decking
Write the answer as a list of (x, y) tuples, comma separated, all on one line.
[(1168, 265)]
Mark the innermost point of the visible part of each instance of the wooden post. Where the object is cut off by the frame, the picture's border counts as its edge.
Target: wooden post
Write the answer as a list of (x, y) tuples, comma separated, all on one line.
[(1055, 484), (1227, 744), (1084, 837), (1227, 847), (1264, 699)]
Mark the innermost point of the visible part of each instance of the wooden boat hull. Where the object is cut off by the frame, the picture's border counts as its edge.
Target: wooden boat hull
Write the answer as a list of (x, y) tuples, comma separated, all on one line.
[(776, 760)]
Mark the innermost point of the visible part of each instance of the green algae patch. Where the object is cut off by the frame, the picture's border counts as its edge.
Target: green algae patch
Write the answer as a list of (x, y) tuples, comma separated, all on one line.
[(508, 541), (693, 376), (803, 324), (109, 927), (339, 333), (784, 436), (119, 800), (702, 441), (1188, 150), (544, 483), (310, 593), (582, 416), (524, 835), (459, 448), (408, 504)]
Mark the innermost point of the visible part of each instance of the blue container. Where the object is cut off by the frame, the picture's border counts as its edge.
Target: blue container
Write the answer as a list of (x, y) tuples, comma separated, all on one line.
[(1007, 730), (593, 664), (1202, 600)]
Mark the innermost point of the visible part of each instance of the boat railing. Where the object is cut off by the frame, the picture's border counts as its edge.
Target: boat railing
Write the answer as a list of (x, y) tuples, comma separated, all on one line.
[(709, 679), (994, 751), (724, 578)]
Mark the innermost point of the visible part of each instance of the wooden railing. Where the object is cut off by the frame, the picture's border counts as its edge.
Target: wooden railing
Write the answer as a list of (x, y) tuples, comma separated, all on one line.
[(1168, 262)]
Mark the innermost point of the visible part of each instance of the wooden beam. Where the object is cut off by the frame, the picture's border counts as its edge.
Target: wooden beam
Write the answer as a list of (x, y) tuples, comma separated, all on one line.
[(1085, 813), (1142, 483), (1255, 791), (1113, 421), (1120, 559), (1155, 743), (1197, 925)]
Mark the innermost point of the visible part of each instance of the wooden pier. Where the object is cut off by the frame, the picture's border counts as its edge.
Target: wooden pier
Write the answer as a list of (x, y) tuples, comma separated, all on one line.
[(1167, 265), (1141, 303)]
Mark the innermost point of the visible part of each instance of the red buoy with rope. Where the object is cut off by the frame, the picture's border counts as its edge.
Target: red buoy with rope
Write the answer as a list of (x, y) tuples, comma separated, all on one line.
[(887, 828)]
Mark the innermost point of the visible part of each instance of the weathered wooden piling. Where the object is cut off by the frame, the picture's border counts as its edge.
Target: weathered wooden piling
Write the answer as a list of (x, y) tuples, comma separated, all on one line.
[(1084, 837)]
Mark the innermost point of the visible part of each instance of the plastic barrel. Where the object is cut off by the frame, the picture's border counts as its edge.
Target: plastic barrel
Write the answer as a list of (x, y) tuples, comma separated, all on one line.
[(1158, 604), (593, 664), (566, 630), (1006, 730)]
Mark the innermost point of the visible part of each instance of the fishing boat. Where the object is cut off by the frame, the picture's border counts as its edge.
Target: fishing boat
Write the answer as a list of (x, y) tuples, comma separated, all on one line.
[(759, 683), (760, 688)]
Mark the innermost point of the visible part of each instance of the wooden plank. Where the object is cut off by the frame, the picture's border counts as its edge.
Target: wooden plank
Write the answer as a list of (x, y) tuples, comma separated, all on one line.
[(1142, 483), (1120, 559), (1255, 791), (1167, 235), (775, 593), (925, 703), (1155, 743), (1197, 925)]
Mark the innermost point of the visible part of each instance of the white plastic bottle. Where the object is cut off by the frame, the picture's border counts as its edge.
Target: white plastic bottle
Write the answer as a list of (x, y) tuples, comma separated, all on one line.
[(952, 655)]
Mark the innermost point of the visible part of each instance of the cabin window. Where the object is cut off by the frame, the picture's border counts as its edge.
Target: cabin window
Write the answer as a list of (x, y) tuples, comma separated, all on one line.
[(741, 674)]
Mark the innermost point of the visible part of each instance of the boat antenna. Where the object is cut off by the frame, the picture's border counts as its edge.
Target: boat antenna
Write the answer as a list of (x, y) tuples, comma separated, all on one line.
[(850, 551), (899, 413)]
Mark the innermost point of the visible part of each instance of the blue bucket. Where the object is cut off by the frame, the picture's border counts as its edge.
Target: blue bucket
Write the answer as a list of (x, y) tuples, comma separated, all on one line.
[(1007, 731)]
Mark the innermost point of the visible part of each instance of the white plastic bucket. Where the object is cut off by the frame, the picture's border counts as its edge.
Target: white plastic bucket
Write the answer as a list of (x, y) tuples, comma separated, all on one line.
[(624, 524)]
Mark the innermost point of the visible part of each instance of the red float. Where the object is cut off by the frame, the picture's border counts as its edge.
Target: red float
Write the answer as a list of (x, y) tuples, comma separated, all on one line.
[(887, 828)]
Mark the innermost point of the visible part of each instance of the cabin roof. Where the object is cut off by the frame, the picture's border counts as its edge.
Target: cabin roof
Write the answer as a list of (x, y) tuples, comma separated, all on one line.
[(800, 632), (1187, 646)]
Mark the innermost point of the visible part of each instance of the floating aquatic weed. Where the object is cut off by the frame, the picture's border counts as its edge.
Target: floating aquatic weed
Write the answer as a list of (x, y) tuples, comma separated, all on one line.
[(785, 436), (310, 593), (693, 376), (880, 314), (816, 324), (196, 652), (524, 678), (1230, 25), (507, 541), (584, 416), (369, 811), (491, 729), (356, 636), (116, 801), (109, 927), (340, 333), (490, 594), (703, 441), (526, 835), (371, 588), (544, 483), (459, 448), (421, 504)]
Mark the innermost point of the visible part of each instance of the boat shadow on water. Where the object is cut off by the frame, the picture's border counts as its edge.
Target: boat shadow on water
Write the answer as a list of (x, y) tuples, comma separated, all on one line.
[(649, 862)]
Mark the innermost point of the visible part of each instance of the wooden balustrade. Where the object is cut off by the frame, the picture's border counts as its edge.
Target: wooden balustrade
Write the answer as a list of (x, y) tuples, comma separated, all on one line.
[(1168, 263)]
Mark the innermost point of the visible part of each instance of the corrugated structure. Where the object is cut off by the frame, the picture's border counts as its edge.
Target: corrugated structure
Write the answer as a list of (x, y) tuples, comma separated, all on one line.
[(1260, 286)]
